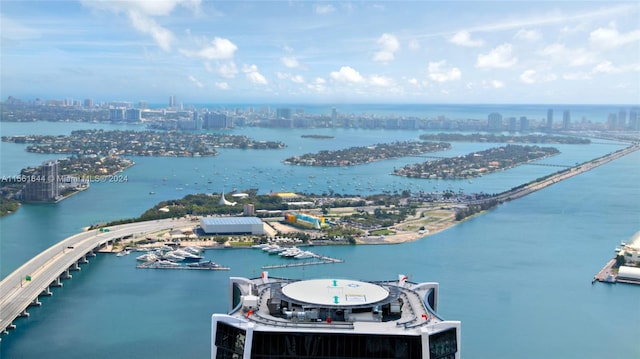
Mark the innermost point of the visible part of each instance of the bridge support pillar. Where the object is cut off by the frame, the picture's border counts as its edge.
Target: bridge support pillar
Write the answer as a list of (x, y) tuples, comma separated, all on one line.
[(35, 303), (74, 267), (24, 314), (65, 275), (56, 283), (83, 260), (47, 291), (91, 254)]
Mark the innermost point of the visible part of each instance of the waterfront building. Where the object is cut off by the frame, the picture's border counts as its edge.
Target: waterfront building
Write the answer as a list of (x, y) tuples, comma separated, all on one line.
[(304, 219), (216, 120), (88, 103), (172, 102), (631, 251), (494, 122), (612, 121), (513, 124), (133, 115), (333, 318), (232, 225), (633, 119), (283, 113), (45, 186), (116, 114), (622, 119), (524, 123), (549, 119), (566, 120)]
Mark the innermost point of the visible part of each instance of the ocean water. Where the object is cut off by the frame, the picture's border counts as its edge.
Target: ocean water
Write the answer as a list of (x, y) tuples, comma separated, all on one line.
[(518, 276)]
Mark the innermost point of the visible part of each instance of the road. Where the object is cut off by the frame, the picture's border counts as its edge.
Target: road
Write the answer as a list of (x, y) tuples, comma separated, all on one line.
[(18, 293)]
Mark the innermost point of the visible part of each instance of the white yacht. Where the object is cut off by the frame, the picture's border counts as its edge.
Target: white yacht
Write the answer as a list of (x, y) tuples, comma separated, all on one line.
[(333, 318)]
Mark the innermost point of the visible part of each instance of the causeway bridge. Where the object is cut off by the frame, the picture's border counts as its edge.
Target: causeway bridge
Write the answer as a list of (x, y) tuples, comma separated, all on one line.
[(23, 287)]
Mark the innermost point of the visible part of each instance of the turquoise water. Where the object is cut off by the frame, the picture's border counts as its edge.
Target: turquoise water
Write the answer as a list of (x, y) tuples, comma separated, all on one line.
[(518, 277)]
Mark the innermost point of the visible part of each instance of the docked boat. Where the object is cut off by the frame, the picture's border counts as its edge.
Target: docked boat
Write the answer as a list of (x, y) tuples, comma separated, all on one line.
[(123, 253), (147, 257), (333, 318), (163, 263), (305, 255), (173, 257)]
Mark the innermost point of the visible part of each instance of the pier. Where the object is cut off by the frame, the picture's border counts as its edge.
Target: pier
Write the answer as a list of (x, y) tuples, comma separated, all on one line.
[(23, 287), (321, 260)]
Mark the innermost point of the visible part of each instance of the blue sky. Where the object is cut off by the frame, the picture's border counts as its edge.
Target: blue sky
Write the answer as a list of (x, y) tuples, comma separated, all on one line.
[(322, 52)]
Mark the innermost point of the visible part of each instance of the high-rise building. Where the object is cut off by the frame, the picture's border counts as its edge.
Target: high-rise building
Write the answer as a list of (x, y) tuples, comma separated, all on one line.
[(622, 118), (172, 101), (549, 119), (494, 122), (566, 120), (524, 123), (88, 103), (283, 113), (116, 114), (45, 185), (133, 115), (634, 124)]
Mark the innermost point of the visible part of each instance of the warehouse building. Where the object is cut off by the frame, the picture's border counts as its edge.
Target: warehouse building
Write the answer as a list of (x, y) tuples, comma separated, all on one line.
[(232, 225)]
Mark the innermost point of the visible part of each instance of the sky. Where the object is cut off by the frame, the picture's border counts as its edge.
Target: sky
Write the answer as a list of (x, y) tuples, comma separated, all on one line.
[(574, 52)]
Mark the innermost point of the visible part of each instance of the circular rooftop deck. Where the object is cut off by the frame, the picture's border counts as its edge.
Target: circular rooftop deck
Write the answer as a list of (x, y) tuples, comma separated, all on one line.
[(335, 292)]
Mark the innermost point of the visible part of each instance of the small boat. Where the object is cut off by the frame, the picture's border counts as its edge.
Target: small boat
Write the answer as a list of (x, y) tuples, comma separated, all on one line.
[(123, 253), (152, 192)]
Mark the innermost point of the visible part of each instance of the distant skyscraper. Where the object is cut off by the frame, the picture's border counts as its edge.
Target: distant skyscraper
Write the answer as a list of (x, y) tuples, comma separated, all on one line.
[(566, 119), (133, 115), (88, 103), (283, 113), (524, 123), (612, 121), (116, 114), (634, 124), (622, 118), (549, 119), (513, 124), (172, 102), (494, 122), (334, 116)]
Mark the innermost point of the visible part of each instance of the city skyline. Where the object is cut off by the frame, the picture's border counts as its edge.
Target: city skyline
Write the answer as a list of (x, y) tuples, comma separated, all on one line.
[(322, 52)]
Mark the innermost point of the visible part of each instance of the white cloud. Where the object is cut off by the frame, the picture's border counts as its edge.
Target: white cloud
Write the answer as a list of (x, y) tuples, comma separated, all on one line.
[(577, 76), (572, 57), (252, 74), (219, 49), (500, 57), (318, 85), (222, 85), (347, 74), (293, 78), (611, 37), (413, 81), (496, 84), (532, 76), (463, 38), (389, 44), (414, 45), (196, 81), (529, 35), (290, 61), (605, 67), (440, 73), (142, 12), (147, 25), (382, 81), (324, 9), (228, 70)]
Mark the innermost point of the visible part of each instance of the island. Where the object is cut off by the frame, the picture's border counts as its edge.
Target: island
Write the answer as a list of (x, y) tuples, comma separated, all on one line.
[(139, 143), (476, 164), (367, 154)]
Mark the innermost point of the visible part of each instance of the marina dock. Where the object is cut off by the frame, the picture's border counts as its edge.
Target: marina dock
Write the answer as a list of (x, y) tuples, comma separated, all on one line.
[(150, 266), (320, 260)]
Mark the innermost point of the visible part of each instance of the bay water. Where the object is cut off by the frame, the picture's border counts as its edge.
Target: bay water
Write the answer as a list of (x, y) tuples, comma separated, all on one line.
[(518, 276)]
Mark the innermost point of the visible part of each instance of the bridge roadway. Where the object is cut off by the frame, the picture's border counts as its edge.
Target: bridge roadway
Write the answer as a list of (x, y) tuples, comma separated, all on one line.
[(46, 269)]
